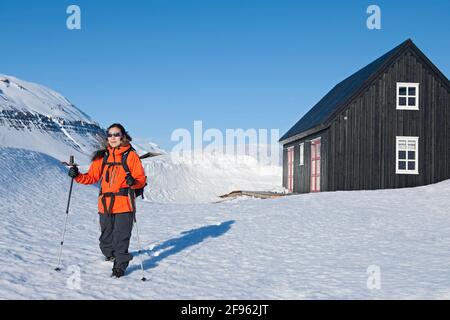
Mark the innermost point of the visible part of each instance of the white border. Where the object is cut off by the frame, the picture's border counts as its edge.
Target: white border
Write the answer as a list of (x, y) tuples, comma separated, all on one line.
[(407, 85), (301, 152), (292, 165), (406, 171)]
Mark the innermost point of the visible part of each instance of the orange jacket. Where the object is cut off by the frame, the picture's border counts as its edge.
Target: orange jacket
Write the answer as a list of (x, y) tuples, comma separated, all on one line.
[(116, 178)]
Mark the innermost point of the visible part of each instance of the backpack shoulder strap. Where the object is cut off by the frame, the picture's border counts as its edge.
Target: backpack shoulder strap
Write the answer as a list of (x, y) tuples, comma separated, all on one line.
[(124, 161), (105, 159), (137, 192)]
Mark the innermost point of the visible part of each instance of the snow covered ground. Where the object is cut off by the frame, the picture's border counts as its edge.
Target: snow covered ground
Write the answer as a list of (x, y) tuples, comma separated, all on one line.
[(297, 247)]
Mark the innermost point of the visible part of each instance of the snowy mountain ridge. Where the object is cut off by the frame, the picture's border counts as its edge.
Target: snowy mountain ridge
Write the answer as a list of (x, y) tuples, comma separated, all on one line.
[(20, 95), (37, 118)]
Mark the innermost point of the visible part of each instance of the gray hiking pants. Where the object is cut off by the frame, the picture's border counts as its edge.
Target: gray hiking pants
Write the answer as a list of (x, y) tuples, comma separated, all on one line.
[(115, 237)]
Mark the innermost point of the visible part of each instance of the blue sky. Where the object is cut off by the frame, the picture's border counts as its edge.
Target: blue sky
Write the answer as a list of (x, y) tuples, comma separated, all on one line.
[(158, 65)]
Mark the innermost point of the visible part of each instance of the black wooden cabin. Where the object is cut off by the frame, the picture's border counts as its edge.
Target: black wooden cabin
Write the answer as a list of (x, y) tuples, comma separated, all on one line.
[(386, 126)]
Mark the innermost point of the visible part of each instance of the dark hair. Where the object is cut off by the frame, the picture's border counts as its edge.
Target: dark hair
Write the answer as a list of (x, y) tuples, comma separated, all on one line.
[(126, 138)]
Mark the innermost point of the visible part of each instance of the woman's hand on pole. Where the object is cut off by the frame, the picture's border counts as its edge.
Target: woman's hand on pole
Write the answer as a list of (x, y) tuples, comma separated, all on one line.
[(73, 172)]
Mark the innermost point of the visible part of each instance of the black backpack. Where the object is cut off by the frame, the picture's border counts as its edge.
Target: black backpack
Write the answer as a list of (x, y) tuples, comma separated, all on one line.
[(137, 192)]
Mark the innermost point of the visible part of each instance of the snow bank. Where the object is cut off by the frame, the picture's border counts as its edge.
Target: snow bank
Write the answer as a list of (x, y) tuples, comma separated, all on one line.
[(196, 178)]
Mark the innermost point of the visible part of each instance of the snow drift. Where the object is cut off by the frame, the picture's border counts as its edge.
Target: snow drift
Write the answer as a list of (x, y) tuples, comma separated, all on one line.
[(197, 177)]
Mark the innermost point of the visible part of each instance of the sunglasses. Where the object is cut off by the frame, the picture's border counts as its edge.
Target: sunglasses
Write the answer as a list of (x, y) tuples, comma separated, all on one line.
[(117, 134)]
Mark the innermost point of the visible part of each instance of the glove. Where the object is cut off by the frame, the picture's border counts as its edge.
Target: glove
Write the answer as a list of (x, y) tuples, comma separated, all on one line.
[(130, 181), (73, 172)]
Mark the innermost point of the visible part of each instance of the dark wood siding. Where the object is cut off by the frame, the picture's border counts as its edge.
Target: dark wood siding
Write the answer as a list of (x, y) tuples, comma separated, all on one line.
[(363, 135), (358, 148)]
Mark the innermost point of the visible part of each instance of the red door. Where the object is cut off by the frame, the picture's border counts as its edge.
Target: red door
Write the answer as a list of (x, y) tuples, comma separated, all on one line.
[(315, 165), (290, 154)]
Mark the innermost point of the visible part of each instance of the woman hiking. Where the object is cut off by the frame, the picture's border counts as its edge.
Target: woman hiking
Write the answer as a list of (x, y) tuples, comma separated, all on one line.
[(116, 199)]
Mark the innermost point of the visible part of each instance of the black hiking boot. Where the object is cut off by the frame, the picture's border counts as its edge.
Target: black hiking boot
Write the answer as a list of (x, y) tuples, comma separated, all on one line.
[(117, 273)]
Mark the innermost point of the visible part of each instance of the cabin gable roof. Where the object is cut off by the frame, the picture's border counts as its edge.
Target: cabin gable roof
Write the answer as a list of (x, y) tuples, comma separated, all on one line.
[(320, 116)]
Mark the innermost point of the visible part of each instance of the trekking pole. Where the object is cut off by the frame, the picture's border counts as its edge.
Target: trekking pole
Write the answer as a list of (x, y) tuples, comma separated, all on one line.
[(133, 203), (70, 164), (140, 249)]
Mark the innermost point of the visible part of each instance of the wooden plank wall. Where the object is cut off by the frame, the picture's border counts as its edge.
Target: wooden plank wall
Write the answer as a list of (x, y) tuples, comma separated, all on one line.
[(362, 137)]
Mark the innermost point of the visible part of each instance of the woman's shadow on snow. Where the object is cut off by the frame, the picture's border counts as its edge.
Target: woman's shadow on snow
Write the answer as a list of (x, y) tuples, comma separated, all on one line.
[(173, 246)]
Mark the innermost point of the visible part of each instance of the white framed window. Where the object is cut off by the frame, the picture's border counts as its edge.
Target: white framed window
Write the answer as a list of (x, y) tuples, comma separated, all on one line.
[(407, 155), (407, 96), (302, 154)]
